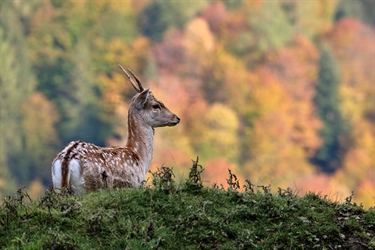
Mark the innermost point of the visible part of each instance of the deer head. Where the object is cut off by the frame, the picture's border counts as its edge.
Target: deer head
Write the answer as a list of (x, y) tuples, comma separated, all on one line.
[(145, 106)]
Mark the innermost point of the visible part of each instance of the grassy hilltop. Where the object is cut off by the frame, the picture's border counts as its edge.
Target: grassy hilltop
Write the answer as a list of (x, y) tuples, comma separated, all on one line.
[(167, 215)]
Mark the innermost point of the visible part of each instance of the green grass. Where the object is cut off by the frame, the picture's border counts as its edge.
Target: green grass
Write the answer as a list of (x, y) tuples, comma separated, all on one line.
[(165, 215)]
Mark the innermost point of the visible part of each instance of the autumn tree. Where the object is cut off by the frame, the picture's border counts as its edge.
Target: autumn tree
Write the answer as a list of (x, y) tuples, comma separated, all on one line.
[(68, 55), (159, 16), (296, 68), (272, 157), (39, 117), (329, 156), (352, 43), (271, 27), (310, 18), (262, 32), (361, 9), (282, 122), (218, 134), (17, 81), (215, 14), (356, 79)]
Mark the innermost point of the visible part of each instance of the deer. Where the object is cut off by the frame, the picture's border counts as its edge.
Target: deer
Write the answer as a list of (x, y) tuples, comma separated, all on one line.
[(83, 167)]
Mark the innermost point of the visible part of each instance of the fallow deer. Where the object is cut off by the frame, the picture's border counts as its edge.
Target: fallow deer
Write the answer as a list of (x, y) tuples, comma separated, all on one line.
[(84, 167)]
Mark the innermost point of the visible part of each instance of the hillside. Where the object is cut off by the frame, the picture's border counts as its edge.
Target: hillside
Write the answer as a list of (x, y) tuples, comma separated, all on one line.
[(165, 215), (278, 91)]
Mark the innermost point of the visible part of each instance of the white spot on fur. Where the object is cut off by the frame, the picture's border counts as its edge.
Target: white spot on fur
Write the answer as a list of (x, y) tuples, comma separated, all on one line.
[(76, 179), (56, 175)]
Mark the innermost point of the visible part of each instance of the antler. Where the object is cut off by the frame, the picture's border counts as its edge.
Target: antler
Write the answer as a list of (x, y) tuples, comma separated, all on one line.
[(138, 81), (131, 76)]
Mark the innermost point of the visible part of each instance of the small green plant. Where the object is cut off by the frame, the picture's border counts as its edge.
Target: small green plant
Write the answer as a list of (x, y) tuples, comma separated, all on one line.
[(286, 192), (68, 205), (232, 181), (348, 200), (249, 187), (12, 206), (195, 182), (94, 224), (266, 189), (56, 239), (162, 179)]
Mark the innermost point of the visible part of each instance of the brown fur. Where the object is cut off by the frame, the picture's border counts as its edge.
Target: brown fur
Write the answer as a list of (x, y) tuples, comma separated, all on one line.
[(65, 167)]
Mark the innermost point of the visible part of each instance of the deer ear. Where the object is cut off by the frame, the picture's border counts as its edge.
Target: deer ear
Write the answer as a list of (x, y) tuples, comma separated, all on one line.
[(143, 97)]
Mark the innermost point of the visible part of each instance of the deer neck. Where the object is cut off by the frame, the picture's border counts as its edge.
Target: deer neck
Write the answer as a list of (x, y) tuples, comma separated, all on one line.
[(140, 140)]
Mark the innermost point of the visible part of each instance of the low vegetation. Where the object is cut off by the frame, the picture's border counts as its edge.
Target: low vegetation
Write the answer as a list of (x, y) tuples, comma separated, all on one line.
[(166, 215)]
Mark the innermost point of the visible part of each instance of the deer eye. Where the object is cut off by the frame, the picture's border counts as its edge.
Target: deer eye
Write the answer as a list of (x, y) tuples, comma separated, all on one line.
[(156, 106)]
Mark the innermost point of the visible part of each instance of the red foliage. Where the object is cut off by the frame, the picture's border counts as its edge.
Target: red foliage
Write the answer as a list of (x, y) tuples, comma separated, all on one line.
[(349, 36), (215, 14), (169, 53), (235, 23)]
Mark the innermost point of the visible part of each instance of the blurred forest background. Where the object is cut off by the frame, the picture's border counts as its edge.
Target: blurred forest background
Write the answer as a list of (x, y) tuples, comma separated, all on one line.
[(282, 92)]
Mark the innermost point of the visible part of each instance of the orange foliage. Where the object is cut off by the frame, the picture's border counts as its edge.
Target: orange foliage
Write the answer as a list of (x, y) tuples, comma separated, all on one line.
[(198, 38), (216, 171), (172, 157), (253, 6), (365, 193), (295, 67), (360, 158), (133, 55), (358, 172), (274, 156), (198, 45), (323, 185), (232, 25), (178, 92), (43, 15), (96, 9), (138, 5), (35, 189), (114, 88), (217, 136), (353, 45), (39, 119)]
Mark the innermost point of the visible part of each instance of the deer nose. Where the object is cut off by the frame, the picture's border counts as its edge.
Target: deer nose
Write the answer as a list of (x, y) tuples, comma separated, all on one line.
[(176, 120)]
